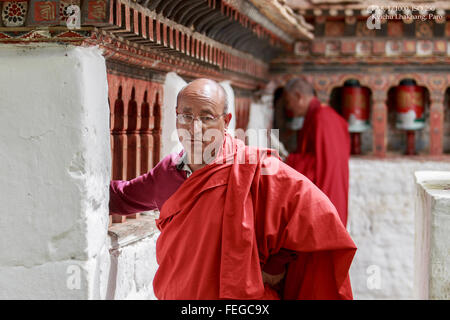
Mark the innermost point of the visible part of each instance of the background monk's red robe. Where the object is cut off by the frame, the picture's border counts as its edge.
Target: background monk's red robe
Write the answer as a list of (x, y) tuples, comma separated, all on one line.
[(323, 153), (223, 223)]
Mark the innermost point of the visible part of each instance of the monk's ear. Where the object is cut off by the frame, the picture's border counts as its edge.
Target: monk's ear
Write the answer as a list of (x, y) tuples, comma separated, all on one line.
[(297, 95), (227, 118)]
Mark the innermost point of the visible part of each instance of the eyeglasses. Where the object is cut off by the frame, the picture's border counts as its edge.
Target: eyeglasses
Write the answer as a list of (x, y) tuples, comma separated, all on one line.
[(184, 118)]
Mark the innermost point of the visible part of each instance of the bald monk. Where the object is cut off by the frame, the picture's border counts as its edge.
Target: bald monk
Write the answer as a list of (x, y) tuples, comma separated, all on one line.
[(323, 144), (235, 221)]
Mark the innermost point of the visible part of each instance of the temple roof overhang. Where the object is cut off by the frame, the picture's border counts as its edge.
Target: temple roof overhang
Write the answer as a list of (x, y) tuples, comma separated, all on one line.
[(220, 38), (232, 39), (261, 28)]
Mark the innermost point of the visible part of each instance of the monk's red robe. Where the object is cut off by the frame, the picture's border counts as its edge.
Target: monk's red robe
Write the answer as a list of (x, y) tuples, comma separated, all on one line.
[(323, 153), (223, 223)]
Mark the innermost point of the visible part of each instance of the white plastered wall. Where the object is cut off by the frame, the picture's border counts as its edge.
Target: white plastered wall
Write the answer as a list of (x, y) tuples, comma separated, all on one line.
[(134, 267), (382, 224), (259, 121), (432, 239), (259, 130), (54, 172), (231, 109), (169, 138)]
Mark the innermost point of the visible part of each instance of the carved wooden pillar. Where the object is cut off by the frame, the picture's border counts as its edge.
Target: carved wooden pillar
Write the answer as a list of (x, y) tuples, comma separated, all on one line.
[(379, 122), (147, 124), (324, 96), (242, 106), (156, 132), (118, 127), (240, 114), (119, 141), (436, 122), (112, 91), (133, 141)]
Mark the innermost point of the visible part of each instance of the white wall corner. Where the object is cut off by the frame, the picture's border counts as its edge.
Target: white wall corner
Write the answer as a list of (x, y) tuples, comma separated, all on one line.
[(169, 137), (381, 221), (55, 172), (432, 237)]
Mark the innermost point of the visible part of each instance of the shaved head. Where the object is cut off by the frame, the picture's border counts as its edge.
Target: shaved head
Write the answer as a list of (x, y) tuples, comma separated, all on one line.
[(300, 85), (205, 89), (298, 92)]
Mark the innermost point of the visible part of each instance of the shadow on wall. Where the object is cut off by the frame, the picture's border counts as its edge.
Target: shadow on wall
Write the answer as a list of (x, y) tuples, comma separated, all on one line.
[(112, 278)]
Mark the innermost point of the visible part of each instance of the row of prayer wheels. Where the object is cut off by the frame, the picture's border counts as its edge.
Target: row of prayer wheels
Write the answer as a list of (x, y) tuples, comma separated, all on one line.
[(409, 108)]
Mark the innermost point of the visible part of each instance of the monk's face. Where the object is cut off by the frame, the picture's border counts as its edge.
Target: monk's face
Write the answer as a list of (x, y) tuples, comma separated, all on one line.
[(296, 103), (201, 120)]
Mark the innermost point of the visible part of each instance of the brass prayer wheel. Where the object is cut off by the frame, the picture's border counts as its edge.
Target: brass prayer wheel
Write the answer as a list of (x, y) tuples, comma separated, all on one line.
[(409, 106), (409, 109), (355, 108)]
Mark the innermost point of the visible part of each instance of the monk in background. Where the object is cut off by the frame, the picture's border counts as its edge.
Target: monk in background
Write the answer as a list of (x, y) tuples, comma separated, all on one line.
[(323, 144), (235, 221)]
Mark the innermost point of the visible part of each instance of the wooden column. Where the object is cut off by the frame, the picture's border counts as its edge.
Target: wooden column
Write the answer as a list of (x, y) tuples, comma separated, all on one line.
[(133, 141), (118, 137), (242, 107), (118, 129), (156, 132), (147, 124), (436, 122), (379, 123)]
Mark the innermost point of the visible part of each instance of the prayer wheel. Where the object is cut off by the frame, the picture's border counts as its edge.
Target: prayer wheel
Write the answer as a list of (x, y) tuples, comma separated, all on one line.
[(409, 109), (355, 107)]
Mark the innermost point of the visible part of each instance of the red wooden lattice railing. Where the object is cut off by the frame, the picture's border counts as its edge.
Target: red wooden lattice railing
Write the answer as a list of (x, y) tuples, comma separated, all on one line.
[(135, 123)]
